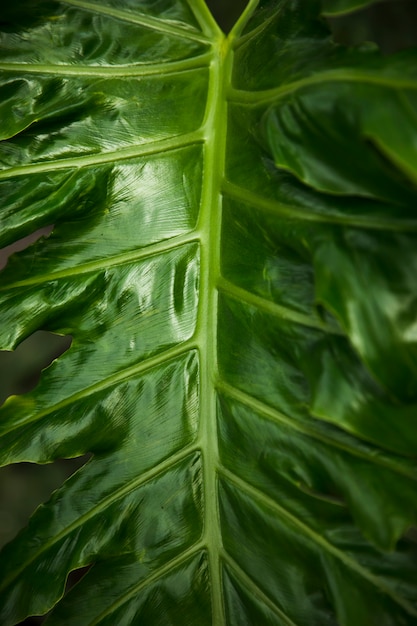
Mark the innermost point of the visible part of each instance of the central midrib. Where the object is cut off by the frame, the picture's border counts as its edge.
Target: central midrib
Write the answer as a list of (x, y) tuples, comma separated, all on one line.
[(209, 232), (206, 335)]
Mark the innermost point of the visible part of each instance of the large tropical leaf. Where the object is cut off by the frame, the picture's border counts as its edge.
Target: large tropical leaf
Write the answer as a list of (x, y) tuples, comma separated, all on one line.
[(235, 257)]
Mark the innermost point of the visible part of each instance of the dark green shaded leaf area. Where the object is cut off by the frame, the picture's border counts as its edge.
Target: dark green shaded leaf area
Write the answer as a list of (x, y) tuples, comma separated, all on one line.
[(234, 255), (342, 7)]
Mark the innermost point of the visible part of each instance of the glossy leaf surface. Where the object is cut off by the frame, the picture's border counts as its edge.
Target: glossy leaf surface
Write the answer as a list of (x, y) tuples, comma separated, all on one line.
[(234, 255)]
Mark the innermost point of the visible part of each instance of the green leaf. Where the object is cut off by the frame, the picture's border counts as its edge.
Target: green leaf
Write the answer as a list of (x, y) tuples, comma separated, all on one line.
[(234, 255), (333, 8)]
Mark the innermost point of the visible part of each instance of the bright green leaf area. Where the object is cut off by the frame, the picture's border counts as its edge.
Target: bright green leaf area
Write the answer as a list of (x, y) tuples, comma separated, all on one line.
[(235, 257)]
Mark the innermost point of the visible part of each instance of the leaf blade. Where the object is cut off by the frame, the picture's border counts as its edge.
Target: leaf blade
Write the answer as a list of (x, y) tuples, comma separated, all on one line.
[(209, 335)]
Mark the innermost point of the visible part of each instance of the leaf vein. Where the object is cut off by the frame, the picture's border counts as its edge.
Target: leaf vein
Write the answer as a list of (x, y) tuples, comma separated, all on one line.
[(274, 415), (108, 71), (277, 310), (294, 212), (141, 20), (120, 492), (248, 582), (158, 574), (269, 96), (119, 259), (320, 541), (114, 379), (130, 152)]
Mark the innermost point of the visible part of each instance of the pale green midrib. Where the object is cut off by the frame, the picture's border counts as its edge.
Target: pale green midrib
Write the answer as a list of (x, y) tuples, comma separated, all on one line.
[(155, 576), (269, 96), (140, 20), (277, 310), (108, 71), (316, 538), (136, 151), (278, 417), (209, 227), (286, 210), (114, 379), (125, 258), (127, 488), (255, 590)]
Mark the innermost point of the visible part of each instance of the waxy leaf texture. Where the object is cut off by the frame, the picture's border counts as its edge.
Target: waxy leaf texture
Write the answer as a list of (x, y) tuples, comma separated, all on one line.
[(234, 254)]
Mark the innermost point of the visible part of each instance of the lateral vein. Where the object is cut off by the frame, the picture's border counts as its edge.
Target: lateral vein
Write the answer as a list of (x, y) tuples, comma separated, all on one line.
[(276, 416), (248, 582), (269, 96), (294, 212), (108, 71), (115, 495), (237, 293), (114, 379), (317, 539), (159, 573), (160, 247), (130, 152), (141, 20)]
